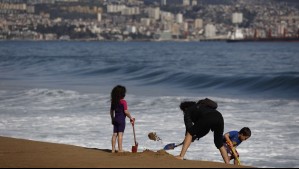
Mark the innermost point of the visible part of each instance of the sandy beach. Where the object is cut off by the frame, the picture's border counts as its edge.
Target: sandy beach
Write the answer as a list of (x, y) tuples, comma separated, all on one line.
[(18, 153)]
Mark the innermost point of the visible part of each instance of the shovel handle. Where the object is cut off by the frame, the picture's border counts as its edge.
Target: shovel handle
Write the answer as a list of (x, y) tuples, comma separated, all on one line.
[(236, 156), (134, 131)]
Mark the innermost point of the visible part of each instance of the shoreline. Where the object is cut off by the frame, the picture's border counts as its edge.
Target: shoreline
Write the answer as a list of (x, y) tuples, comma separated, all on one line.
[(20, 153)]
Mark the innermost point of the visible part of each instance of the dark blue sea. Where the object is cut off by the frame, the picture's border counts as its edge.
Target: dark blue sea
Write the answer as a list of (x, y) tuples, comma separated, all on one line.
[(60, 92)]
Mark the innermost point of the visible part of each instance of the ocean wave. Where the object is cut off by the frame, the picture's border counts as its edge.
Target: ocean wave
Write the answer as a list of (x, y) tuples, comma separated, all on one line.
[(286, 83), (200, 70), (63, 94), (143, 74)]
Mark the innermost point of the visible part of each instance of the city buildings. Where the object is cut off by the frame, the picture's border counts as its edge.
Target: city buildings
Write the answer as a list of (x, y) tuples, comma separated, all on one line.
[(145, 20)]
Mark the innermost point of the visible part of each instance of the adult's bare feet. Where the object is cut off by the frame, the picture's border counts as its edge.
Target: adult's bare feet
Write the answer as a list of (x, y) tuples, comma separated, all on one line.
[(179, 157)]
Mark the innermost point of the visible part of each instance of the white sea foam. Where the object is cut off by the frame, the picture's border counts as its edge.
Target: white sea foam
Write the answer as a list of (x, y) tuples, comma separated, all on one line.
[(83, 119)]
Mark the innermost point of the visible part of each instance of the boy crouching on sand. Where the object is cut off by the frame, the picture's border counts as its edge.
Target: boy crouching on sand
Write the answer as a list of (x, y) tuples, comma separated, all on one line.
[(233, 139)]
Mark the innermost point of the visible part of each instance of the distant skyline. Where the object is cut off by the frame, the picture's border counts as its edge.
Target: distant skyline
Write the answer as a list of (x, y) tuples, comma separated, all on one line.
[(132, 20), (199, 1), (218, 1), (289, 1)]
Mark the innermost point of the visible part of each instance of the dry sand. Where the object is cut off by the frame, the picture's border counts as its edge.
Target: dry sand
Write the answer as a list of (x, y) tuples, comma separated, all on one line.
[(18, 153)]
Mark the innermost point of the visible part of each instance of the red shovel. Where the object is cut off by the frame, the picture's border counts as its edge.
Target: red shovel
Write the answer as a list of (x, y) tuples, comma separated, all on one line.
[(134, 148)]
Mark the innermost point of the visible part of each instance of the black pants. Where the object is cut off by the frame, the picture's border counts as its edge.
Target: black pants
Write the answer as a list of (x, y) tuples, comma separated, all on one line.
[(212, 120)]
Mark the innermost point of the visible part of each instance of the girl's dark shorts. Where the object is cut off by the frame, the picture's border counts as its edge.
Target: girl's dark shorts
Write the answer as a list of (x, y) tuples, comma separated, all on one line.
[(119, 127)]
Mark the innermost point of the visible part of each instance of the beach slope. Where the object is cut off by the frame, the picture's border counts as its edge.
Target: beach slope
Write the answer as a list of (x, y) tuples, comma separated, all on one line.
[(18, 153)]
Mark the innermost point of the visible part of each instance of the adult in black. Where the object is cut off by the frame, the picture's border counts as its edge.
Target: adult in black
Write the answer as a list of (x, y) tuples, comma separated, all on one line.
[(200, 118)]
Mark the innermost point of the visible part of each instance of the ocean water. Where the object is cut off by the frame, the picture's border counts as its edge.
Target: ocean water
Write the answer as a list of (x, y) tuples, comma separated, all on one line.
[(60, 92)]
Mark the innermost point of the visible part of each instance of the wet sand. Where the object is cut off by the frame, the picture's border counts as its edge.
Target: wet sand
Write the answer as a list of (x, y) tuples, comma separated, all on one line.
[(19, 153)]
